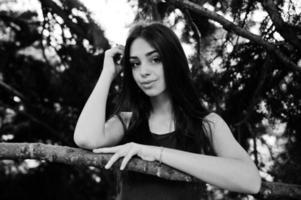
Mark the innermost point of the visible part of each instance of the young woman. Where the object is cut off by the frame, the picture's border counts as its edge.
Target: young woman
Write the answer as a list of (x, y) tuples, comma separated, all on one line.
[(165, 122)]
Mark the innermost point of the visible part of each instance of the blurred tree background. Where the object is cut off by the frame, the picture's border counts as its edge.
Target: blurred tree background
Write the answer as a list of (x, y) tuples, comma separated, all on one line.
[(51, 57)]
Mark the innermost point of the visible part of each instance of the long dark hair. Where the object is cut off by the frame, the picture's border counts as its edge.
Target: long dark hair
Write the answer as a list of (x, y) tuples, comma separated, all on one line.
[(189, 113)]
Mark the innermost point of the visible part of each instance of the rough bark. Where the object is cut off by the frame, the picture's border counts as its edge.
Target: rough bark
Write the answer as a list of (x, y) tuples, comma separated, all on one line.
[(272, 190), (76, 156), (231, 27)]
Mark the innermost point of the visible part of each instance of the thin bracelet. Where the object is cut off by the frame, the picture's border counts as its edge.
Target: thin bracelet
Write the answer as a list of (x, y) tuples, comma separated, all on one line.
[(160, 156)]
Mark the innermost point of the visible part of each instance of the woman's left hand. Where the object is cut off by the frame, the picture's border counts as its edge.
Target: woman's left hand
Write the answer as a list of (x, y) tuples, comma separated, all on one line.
[(127, 151)]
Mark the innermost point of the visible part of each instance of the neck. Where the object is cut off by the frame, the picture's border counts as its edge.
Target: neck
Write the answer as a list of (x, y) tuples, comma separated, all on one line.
[(161, 105), (161, 118)]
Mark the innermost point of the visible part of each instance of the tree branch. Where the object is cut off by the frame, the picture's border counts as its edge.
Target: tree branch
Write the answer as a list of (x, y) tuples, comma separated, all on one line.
[(231, 27), (76, 156), (271, 190), (283, 28), (80, 157)]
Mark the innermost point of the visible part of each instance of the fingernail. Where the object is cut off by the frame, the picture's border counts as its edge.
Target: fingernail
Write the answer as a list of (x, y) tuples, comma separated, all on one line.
[(107, 167)]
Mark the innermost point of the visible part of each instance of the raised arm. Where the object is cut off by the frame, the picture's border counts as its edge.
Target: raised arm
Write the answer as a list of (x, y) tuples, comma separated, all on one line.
[(91, 131)]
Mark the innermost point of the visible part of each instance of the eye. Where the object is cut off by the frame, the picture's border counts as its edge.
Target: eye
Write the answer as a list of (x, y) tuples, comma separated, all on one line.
[(156, 59), (134, 64)]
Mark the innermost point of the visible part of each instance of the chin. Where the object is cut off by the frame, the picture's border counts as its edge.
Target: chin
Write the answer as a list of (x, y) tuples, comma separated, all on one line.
[(153, 93)]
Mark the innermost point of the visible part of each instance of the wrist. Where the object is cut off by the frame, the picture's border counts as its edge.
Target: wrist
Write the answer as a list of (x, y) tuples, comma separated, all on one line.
[(151, 153), (161, 150), (158, 153)]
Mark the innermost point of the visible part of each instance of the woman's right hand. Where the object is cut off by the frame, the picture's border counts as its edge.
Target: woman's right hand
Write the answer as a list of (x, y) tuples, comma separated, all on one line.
[(109, 65)]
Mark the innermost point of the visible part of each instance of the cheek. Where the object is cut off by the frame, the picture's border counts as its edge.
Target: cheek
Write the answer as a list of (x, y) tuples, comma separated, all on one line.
[(134, 75), (163, 77)]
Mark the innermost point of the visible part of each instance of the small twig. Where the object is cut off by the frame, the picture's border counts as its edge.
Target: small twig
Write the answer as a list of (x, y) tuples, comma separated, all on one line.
[(11, 90)]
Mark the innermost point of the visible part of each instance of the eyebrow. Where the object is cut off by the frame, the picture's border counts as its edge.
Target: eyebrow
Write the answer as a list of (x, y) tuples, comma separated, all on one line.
[(147, 54)]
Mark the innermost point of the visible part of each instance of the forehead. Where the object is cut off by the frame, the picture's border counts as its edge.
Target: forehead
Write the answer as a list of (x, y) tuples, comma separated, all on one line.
[(140, 47)]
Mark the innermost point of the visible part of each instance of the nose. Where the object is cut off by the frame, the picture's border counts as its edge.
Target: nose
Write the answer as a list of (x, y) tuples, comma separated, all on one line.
[(144, 70)]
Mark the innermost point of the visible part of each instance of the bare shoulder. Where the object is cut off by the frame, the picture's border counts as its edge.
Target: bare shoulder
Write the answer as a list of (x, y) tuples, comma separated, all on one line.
[(213, 121)]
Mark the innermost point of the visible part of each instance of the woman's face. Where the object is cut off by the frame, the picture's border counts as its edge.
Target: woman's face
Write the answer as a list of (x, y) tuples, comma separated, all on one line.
[(147, 68)]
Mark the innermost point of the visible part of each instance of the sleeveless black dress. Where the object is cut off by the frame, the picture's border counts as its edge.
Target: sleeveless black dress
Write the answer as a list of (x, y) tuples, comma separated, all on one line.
[(140, 186)]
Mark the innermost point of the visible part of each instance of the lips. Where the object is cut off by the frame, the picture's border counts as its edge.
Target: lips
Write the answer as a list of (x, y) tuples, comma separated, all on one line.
[(147, 84)]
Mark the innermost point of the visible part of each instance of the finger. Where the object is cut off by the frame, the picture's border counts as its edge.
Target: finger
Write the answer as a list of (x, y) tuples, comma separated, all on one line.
[(114, 44), (112, 160), (107, 149), (127, 158), (119, 49), (113, 51)]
